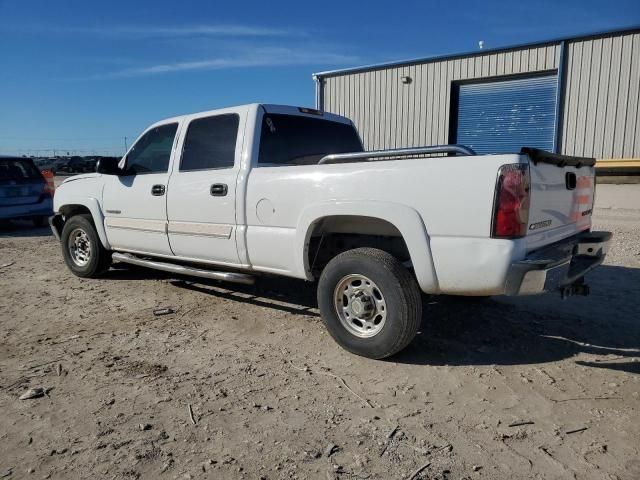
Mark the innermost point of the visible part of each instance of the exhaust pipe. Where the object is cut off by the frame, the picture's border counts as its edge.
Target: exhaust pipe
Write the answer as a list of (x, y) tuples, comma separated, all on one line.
[(575, 289)]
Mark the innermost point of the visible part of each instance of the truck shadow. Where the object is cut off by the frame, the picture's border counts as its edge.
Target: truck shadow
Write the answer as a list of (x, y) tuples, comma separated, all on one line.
[(287, 295), (494, 331), (540, 329)]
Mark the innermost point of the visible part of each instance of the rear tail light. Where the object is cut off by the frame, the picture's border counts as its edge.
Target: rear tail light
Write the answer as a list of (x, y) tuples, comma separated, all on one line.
[(511, 203), (50, 186)]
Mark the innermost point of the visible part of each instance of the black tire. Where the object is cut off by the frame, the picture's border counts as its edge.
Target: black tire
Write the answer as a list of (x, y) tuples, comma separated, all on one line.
[(97, 261), (399, 292)]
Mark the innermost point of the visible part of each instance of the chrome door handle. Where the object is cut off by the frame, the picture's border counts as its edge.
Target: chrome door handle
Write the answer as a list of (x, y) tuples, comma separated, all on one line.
[(158, 190), (219, 189)]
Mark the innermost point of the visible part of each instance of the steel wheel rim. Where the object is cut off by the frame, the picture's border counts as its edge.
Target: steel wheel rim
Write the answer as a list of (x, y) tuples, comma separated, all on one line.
[(360, 305), (79, 246)]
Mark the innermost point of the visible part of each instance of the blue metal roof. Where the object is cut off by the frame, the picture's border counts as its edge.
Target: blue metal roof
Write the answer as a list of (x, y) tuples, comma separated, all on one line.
[(413, 61)]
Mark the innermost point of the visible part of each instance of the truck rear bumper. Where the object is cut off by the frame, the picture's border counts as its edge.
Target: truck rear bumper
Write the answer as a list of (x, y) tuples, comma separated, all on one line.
[(559, 265)]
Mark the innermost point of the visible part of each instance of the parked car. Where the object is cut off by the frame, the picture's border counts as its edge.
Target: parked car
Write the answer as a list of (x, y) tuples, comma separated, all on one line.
[(90, 164), (74, 165), (234, 193), (24, 191), (50, 164)]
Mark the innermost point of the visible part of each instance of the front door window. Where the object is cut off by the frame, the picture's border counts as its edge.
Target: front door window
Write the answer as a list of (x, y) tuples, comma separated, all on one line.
[(151, 154)]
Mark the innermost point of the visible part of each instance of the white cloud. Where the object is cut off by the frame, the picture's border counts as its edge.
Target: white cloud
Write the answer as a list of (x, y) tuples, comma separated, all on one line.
[(214, 30), (141, 31), (258, 57)]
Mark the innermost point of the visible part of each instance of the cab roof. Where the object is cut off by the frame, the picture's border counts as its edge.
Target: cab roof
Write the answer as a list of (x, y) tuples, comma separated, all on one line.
[(268, 108)]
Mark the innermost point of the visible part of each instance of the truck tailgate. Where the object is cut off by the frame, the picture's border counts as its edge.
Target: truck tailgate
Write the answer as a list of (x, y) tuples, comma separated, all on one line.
[(562, 195)]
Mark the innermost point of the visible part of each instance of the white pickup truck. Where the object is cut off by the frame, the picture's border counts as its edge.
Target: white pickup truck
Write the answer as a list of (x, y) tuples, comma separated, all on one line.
[(266, 189)]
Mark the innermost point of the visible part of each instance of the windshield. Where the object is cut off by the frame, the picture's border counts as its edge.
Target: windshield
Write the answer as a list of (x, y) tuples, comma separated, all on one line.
[(298, 140)]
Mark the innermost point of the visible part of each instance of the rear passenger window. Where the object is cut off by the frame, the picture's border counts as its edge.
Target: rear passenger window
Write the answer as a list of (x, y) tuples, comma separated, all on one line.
[(13, 170), (210, 143), (299, 140)]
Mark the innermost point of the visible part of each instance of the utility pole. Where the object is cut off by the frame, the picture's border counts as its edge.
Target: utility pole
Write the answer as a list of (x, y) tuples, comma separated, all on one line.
[(125, 145)]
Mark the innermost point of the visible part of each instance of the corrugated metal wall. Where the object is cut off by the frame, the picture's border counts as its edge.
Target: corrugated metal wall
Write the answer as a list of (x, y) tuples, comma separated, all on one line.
[(600, 114), (390, 114), (601, 117)]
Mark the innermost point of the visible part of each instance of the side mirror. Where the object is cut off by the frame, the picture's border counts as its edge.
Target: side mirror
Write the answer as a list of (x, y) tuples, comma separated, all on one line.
[(108, 166)]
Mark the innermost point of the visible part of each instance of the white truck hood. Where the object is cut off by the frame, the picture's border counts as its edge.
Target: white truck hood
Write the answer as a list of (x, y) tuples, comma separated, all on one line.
[(81, 177)]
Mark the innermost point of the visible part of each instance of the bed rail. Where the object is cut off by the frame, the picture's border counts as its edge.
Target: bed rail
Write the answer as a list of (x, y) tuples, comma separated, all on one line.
[(398, 152)]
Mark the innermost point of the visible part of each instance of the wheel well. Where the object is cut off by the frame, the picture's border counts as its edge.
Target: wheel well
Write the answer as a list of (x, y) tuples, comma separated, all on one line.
[(67, 212), (336, 234)]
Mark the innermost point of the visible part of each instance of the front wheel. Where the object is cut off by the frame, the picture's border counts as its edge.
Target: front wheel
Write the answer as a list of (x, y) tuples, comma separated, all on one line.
[(81, 248), (370, 302)]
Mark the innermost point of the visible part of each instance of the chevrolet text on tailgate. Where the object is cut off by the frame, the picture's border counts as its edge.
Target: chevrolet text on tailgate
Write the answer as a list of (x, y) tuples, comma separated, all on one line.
[(266, 189)]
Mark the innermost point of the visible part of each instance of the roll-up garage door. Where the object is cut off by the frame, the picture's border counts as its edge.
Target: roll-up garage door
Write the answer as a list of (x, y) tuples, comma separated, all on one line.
[(503, 116)]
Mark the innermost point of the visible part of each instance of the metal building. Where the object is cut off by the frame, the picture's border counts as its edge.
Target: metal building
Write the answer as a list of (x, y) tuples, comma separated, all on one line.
[(577, 96)]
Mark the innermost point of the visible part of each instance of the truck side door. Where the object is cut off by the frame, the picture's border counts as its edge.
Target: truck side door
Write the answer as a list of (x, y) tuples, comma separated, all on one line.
[(201, 205), (134, 202)]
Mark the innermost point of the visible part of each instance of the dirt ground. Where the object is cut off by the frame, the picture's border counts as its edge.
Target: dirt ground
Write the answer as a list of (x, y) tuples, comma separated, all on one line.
[(245, 383)]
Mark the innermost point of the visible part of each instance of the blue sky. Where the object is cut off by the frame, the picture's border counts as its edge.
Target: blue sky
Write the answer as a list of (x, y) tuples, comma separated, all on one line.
[(80, 75)]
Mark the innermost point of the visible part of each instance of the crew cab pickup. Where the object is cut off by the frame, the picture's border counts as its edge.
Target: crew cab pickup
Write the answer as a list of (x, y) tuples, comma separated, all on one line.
[(265, 189)]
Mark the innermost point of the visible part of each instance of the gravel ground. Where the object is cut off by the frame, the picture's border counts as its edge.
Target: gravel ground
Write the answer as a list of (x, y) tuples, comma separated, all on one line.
[(244, 382)]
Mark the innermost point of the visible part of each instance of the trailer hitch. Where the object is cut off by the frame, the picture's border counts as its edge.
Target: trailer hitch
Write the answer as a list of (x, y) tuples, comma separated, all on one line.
[(576, 288)]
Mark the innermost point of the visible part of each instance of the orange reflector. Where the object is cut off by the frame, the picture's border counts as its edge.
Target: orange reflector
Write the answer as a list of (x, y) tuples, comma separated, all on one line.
[(584, 182)]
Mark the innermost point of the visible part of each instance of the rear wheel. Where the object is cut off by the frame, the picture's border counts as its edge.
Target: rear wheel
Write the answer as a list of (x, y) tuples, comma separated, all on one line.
[(370, 302), (81, 247)]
